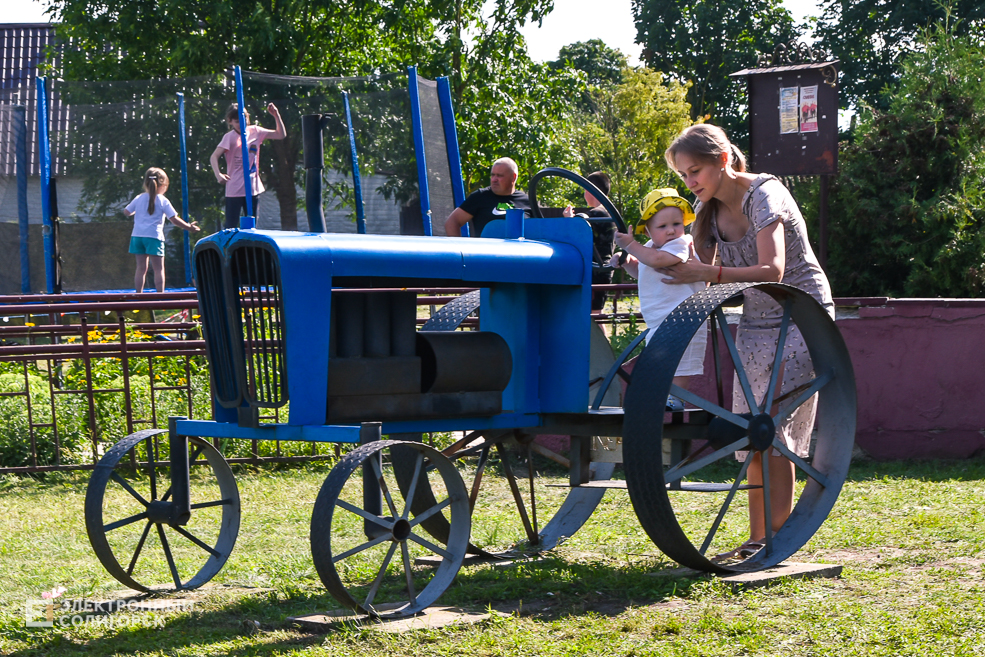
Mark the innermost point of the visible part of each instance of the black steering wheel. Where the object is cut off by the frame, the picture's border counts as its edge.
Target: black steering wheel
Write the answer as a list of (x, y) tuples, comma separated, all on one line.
[(558, 172)]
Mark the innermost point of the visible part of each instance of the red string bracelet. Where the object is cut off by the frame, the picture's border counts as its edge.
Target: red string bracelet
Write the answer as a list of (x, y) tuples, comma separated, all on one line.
[(719, 273)]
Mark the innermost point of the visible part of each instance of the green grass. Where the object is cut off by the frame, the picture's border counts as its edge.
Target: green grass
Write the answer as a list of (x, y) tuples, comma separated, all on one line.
[(911, 537)]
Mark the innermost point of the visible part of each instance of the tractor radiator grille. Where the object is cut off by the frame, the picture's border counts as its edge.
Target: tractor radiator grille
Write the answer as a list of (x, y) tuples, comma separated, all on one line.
[(215, 325), (256, 280)]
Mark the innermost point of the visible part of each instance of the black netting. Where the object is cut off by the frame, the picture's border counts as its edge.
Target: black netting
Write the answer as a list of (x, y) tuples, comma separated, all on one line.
[(380, 111), (388, 168), (18, 193), (104, 136), (436, 155)]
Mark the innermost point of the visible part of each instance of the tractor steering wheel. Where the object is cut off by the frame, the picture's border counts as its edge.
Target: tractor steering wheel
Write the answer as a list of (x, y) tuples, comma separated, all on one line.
[(558, 172)]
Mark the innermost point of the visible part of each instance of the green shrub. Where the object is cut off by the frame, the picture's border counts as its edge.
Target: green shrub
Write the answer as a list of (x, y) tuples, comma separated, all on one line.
[(908, 208)]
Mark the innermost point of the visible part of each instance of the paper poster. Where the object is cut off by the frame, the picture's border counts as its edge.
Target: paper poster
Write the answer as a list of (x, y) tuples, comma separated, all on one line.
[(789, 119), (808, 109)]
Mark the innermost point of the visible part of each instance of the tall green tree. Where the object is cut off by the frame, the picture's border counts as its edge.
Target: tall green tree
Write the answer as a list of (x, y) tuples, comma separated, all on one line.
[(507, 104), (704, 41), (603, 66), (629, 130), (873, 37), (908, 206)]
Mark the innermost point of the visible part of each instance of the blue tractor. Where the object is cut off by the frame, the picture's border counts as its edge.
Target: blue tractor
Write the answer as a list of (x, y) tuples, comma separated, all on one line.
[(323, 328)]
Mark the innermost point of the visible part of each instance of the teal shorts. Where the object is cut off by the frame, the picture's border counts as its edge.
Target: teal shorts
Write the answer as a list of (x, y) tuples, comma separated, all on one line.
[(147, 245)]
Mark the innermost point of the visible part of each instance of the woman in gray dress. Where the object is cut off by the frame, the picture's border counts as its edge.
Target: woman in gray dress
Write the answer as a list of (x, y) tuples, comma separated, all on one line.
[(749, 229)]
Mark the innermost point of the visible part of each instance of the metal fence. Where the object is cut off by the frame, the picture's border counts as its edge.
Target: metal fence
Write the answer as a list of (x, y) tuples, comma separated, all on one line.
[(80, 371)]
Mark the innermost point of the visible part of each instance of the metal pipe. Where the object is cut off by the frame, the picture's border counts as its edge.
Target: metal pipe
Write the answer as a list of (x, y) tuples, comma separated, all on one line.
[(314, 162)]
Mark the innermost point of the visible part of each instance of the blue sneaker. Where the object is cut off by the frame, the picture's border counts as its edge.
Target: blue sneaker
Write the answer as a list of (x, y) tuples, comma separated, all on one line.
[(674, 405)]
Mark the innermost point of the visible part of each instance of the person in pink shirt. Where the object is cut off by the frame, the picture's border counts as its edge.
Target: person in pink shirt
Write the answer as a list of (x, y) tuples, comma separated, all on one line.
[(231, 147)]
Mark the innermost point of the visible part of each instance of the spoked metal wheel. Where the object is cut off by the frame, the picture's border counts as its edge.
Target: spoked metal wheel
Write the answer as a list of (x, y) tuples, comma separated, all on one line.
[(517, 482), (131, 524), (693, 509), (365, 537)]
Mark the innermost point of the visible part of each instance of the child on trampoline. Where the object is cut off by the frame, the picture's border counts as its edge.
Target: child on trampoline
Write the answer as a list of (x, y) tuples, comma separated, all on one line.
[(231, 148), (149, 210), (663, 216)]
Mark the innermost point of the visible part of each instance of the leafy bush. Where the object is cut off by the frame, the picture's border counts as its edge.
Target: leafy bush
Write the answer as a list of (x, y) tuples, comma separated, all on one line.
[(908, 208)]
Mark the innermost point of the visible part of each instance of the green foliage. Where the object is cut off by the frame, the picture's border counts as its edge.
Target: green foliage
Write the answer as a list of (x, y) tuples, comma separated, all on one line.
[(873, 37), (907, 207), (515, 108), (707, 40), (627, 134), (507, 104), (603, 66)]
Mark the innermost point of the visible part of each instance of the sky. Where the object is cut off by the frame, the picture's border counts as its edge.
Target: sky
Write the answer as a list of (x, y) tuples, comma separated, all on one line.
[(571, 21)]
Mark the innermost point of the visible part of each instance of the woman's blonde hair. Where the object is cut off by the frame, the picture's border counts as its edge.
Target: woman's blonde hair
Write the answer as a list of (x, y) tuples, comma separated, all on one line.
[(706, 143), (154, 180)]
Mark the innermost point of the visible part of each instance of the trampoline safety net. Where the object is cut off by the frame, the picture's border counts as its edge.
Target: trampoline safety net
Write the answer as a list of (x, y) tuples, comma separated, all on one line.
[(104, 136)]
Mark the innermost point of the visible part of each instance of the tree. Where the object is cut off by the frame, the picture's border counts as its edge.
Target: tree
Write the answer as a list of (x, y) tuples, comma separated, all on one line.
[(908, 206), (704, 41), (628, 133), (872, 37), (603, 66), (507, 104)]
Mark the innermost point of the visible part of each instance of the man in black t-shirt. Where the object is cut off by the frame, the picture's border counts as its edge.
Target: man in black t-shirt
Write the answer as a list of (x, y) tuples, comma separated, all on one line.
[(488, 203)]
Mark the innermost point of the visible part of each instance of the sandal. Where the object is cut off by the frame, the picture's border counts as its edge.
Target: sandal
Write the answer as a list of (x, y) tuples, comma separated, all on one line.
[(742, 552)]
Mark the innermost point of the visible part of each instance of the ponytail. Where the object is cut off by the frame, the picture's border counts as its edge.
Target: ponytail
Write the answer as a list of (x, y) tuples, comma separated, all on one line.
[(154, 180), (706, 143)]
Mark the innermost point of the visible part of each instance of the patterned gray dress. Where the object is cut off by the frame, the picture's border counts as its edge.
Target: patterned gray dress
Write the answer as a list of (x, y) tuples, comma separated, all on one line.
[(766, 201)]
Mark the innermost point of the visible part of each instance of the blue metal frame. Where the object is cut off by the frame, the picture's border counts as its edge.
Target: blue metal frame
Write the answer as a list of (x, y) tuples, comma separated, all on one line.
[(249, 221), (451, 144), (184, 187), (44, 152), (422, 169), (20, 138), (357, 187)]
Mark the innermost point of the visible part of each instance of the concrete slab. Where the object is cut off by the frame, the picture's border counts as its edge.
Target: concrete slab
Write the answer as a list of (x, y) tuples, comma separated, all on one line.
[(431, 618), (500, 559), (742, 581)]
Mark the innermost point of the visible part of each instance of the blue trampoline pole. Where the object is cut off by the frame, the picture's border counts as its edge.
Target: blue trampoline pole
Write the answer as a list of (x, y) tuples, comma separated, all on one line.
[(249, 221), (20, 145), (184, 187), (357, 187), (422, 167), (44, 153), (451, 143)]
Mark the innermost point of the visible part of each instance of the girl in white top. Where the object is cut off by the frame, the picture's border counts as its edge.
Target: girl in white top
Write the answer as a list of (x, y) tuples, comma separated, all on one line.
[(663, 215), (149, 210)]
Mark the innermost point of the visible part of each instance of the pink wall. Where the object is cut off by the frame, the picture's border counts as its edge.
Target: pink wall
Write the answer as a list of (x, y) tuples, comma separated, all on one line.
[(919, 366)]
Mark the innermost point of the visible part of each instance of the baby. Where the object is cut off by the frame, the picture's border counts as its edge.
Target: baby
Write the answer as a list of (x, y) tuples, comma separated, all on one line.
[(663, 216)]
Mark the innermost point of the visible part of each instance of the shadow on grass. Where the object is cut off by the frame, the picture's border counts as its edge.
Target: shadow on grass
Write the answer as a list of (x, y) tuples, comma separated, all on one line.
[(545, 589)]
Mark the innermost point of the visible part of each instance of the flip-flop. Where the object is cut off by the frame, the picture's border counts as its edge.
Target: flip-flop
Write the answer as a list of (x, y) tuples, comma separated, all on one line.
[(742, 552)]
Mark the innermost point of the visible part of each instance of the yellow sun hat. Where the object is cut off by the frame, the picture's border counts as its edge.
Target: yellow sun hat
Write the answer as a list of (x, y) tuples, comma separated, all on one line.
[(659, 199)]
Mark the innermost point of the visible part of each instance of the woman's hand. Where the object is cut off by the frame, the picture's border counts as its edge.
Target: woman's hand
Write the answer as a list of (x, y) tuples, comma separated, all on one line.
[(691, 271), (568, 211), (623, 239), (221, 178), (272, 110)]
